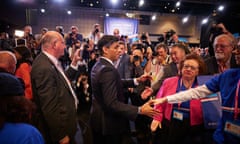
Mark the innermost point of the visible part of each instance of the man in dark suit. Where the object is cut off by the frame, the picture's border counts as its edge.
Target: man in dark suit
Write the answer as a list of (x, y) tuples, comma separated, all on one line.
[(110, 114), (123, 63), (53, 94)]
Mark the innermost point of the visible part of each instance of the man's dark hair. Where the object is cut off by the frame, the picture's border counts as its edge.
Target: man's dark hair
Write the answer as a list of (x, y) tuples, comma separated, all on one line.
[(182, 46), (106, 41)]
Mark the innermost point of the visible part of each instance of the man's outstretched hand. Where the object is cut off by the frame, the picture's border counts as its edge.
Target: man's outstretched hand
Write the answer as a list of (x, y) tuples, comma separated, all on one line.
[(148, 110)]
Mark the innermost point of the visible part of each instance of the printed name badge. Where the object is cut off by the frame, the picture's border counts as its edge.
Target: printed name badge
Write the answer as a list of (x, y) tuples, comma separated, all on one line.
[(232, 128), (177, 115)]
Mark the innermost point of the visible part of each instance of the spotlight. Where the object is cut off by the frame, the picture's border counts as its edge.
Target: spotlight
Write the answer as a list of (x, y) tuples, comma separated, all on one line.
[(221, 8), (107, 14), (141, 3), (185, 19), (178, 4), (154, 17), (204, 21), (42, 10), (114, 2), (59, 1), (69, 12)]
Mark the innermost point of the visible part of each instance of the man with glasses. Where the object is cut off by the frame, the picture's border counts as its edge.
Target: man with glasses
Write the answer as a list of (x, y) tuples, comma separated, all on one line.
[(223, 59), (178, 53)]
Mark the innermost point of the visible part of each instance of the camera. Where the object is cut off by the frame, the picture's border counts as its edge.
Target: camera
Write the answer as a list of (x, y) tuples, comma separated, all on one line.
[(96, 30), (86, 40), (136, 58), (169, 34), (143, 37), (216, 30), (161, 38)]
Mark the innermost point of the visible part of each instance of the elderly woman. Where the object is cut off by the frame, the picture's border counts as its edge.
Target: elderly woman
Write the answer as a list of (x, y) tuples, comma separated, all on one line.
[(185, 120)]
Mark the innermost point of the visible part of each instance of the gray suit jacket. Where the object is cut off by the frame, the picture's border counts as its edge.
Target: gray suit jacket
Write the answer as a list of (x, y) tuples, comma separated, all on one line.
[(109, 114), (54, 100), (168, 71)]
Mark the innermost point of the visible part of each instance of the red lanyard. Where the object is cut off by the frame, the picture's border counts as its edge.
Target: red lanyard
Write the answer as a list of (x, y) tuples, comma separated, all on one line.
[(236, 101)]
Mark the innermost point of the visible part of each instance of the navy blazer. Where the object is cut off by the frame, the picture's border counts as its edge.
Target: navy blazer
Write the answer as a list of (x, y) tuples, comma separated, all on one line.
[(124, 67), (109, 114)]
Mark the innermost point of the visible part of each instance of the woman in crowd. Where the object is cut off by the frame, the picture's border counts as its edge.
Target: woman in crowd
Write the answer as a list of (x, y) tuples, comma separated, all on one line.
[(228, 84), (23, 69), (15, 112), (184, 120)]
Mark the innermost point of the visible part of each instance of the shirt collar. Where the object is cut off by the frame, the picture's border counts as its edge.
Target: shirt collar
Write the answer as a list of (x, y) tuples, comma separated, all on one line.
[(51, 57), (107, 59)]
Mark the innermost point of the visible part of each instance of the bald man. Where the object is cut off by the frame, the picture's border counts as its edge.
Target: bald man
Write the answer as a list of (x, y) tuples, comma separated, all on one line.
[(8, 62), (53, 94)]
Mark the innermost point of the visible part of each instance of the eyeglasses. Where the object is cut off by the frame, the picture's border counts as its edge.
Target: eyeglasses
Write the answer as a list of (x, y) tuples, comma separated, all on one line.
[(191, 67), (221, 46)]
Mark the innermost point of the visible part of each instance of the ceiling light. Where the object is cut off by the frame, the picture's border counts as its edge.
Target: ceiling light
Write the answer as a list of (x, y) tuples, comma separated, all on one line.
[(69, 12), (141, 3), (42, 10), (221, 8), (107, 14), (114, 2), (59, 1), (154, 17), (204, 21), (178, 4), (185, 19)]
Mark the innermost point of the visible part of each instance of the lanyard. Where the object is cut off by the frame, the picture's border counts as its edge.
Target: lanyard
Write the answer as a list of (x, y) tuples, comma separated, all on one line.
[(181, 87), (236, 101)]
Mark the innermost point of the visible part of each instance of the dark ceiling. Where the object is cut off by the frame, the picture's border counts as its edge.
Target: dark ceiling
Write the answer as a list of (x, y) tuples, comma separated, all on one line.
[(194, 7), (13, 11)]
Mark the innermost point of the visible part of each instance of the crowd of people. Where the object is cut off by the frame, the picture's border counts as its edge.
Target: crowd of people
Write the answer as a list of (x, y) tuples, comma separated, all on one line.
[(63, 88)]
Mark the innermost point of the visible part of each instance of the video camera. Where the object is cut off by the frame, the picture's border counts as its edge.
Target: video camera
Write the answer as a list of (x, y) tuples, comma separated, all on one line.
[(169, 34), (216, 30)]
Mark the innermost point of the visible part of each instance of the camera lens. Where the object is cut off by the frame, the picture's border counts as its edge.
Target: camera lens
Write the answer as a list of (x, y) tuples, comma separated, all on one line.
[(97, 30), (136, 58)]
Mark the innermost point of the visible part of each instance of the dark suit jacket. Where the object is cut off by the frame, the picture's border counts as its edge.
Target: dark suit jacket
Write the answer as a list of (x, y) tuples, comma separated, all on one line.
[(168, 71), (212, 66), (54, 100), (109, 114), (124, 67)]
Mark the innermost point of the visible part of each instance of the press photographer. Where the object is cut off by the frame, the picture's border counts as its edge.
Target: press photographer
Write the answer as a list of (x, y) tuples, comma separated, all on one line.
[(73, 41), (145, 39), (95, 35), (170, 37)]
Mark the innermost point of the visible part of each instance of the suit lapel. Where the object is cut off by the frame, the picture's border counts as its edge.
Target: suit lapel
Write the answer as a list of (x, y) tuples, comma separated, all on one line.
[(60, 76)]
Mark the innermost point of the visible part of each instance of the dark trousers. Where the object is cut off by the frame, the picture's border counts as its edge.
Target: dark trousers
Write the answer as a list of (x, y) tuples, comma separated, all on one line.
[(183, 132)]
